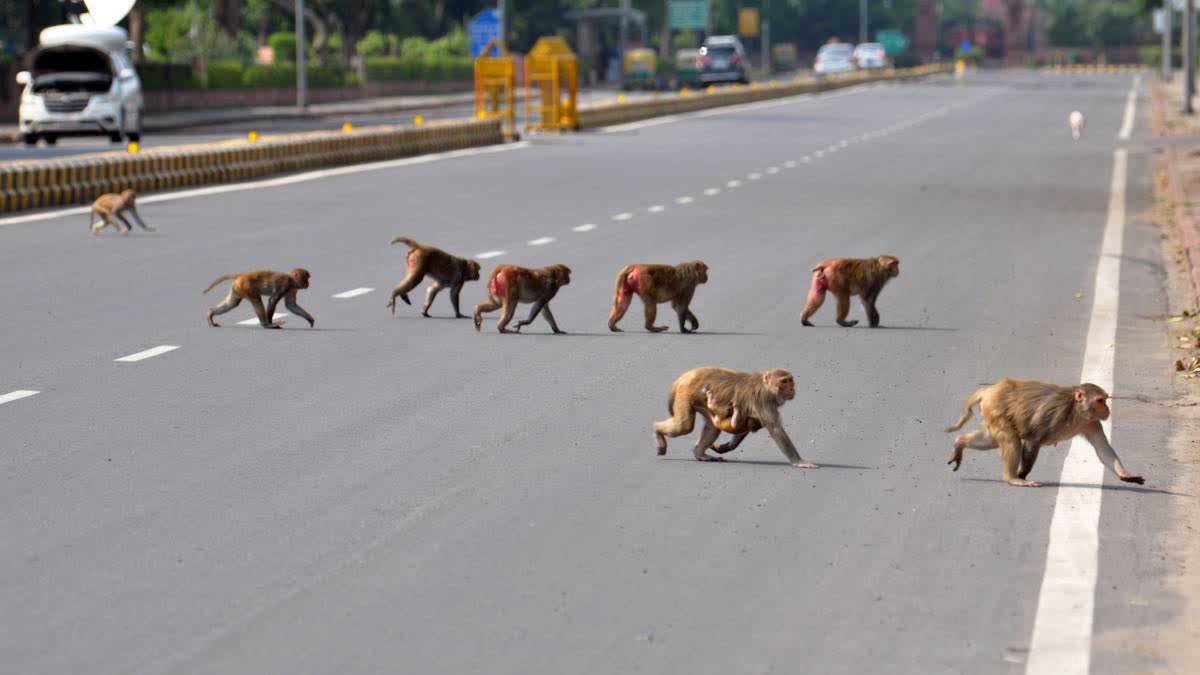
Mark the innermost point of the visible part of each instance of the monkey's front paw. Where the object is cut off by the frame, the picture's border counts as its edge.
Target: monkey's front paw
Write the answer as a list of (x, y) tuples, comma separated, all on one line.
[(848, 324), (404, 297), (425, 314), (615, 329), (1134, 479), (956, 462), (804, 465), (805, 322), (1019, 482), (560, 332), (312, 324)]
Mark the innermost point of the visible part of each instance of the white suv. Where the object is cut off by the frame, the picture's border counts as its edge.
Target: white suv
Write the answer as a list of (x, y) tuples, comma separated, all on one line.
[(80, 83)]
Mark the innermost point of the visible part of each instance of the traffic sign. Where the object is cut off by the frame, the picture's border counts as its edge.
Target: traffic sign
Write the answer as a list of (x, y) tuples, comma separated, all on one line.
[(688, 14), (748, 21), (893, 41), (484, 28)]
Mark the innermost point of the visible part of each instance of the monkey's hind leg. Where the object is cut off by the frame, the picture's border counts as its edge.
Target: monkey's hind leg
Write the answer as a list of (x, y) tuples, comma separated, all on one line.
[(620, 306), (489, 305), (708, 436), (681, 423), (401, 289), (979, 440), (816, 298), (454, 291), (261, 312), (228, 304)]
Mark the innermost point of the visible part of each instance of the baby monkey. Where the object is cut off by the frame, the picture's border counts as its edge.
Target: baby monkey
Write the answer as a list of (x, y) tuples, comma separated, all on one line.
[(111, 208), (728, 417)]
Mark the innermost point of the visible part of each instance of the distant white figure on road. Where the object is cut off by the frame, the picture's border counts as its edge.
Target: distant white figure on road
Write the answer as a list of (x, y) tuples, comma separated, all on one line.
[(1076, 120)]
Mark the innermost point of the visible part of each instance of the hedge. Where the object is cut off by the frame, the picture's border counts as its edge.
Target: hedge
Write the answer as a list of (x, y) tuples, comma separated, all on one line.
[(386, 68)]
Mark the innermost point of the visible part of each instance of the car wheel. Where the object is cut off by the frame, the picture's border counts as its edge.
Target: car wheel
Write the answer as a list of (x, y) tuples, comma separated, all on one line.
[(50, 139), (30, 139), (114, 137)]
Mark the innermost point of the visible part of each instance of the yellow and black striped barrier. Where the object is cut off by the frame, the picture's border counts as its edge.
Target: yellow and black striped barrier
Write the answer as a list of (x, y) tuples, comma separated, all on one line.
[(605, 114), (79, 180)]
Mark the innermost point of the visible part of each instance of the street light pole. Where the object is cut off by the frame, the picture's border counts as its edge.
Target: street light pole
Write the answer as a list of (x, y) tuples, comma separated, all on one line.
[(624, 35), (862, 20), (1189, 56), (1166, 41), (766, 37), (500, 12), (301, 66)]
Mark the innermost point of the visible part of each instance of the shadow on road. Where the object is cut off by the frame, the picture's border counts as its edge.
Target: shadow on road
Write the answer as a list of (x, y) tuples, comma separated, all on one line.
[(1117, 488), (769, 462)]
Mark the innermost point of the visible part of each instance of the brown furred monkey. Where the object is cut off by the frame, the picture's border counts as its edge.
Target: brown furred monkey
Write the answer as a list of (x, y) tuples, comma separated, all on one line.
[(253, 285), (757, 395), (864, 277), (655, 284), (509, 285), (1020, 416), (728, 417), (447, 271), (111, 208)]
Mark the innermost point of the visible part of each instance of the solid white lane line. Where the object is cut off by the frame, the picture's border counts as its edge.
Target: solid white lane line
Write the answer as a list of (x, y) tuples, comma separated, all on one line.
[(254, 321), (733, 183), (657, 208), (541, 241), (489, 254), (623, 216), (709, 192), (1130, 106), (17, 395), (1062, 628), (353, 293), (586, 227), (277, 182), (684, 200), (149, 353)]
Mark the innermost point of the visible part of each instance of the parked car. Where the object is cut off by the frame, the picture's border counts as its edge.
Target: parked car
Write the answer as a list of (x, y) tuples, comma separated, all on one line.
[(81, 82), (835, 57), (722, 59), (870, 55)]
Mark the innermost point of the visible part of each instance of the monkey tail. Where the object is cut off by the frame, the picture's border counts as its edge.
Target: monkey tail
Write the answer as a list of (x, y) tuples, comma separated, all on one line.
[(406, 241), (967, 410), (221, 279)]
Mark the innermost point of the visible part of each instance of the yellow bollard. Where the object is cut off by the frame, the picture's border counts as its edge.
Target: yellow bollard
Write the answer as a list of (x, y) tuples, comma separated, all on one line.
[(620, 98), (252, 136), (710, 89), (418, 120), (684, 91), (133, 147), (347, 127), (481, 114), (773, 84)]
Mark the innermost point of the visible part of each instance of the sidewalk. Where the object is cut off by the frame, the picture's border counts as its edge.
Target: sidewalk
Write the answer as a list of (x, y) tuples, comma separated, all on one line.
[(187, 119)]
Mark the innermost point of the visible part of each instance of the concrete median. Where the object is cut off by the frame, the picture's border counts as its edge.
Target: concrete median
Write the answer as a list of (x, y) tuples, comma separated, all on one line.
[(685, 101), (71, 181)]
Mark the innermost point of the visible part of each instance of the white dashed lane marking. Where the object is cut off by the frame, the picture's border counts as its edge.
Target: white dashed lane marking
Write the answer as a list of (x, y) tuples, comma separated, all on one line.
[(754, 176), (541, 241), (772, 169), (684, 200), (353, 293), (623, 216), (254, 321), (150, 353), (732, 184), (489, 254), (586, 227), (709, 192), (657, 208), (789, 164), (17, 395)]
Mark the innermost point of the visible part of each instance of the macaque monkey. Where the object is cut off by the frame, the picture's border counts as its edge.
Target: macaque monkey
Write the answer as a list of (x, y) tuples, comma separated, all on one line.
[(253, 285), (864, 277), (447, 271), (658, 283), (756, 396), (1020, 416), (1075, 119), (509, 285), (111, 208)]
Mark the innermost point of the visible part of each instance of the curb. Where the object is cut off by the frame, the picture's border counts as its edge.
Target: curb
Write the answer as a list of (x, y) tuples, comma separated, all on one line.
[(1185, 220), (1092, 68), (608, 114), (69, 181)]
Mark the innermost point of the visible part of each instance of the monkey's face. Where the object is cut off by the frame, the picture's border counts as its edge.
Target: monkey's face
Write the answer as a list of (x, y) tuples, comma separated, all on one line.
[(781, 384), (472, 271), (892, 264), (1092, 402), (301, 275), (562, 274), (701, 272)]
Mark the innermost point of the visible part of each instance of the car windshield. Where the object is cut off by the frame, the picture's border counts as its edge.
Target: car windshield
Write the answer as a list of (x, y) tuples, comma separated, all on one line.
[(835, 51)]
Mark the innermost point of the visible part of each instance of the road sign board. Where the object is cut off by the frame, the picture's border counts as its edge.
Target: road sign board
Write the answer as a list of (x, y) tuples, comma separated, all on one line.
[(893, 41), (688, 14), (484, 28), (748, 21)]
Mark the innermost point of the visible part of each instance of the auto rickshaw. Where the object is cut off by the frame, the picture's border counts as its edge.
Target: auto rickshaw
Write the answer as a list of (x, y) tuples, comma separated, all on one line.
[(686, 72), (641, 66)]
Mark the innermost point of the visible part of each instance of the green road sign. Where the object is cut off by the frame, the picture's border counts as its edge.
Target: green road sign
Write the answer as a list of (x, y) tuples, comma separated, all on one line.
[(688, 14), (893, 41)]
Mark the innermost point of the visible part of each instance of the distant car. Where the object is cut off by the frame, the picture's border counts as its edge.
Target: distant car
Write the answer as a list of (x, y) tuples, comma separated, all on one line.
[(722, 59), (870, 55), (81, 82), (686, 71), (836, 57)]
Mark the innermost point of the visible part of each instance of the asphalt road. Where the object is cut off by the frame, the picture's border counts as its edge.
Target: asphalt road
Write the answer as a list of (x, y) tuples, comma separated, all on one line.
[(71, 146), (397, 494)]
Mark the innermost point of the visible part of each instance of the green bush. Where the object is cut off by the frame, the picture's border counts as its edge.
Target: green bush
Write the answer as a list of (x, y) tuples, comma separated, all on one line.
[(284, 45), (378, 43), (906, 60), (283, 76), (226, 74), (391, 68), (167, 76), (1150, 55)]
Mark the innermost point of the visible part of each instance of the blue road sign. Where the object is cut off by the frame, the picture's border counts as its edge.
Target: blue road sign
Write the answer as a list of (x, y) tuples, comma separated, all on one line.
[(484, 28)]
